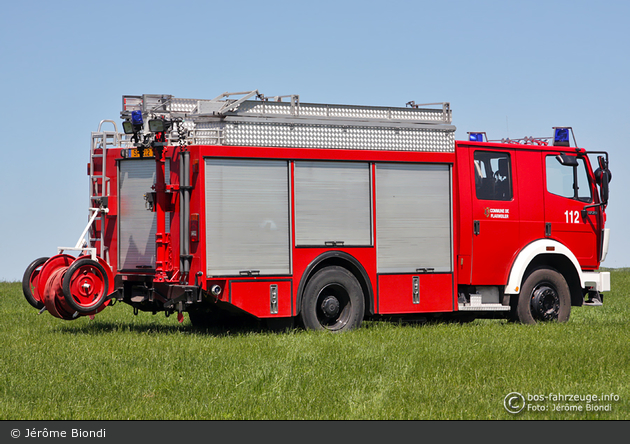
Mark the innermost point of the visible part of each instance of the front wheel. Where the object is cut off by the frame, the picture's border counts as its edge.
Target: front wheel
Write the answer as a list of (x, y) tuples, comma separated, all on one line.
[(333, 301), (544, 297)]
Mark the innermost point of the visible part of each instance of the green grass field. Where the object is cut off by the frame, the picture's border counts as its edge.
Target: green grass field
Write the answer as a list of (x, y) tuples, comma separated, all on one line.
[(121, 366)]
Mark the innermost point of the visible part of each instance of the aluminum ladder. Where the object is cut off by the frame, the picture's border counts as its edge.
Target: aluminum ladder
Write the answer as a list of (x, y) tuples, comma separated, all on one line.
[(99, 183)]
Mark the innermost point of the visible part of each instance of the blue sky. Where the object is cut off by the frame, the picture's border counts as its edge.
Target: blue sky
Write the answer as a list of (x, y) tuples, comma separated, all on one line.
[(512, 69)]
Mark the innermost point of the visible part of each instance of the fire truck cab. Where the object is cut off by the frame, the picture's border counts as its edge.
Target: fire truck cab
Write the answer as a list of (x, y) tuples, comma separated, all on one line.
[(532, 222), (330, 214)]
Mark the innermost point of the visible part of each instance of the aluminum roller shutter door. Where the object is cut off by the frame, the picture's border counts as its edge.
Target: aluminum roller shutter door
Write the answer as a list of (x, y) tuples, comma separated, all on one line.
[(413, 217), (137, 225), (332, 203), (247, 216)]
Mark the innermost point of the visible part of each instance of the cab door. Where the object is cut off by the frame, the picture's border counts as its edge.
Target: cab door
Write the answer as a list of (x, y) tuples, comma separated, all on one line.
[(495, 215), (568, 190)]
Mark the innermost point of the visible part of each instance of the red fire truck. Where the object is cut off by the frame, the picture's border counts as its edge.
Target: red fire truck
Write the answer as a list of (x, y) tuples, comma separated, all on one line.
[(328, 214)]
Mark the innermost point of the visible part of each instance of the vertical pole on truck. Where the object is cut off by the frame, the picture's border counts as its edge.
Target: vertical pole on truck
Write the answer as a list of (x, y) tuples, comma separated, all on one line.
[(161, 266), (184, 213), (184, 204)]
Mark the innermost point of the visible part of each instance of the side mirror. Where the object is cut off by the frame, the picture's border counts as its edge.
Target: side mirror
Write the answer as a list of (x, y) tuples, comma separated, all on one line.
[(603, 176), (567, 160)]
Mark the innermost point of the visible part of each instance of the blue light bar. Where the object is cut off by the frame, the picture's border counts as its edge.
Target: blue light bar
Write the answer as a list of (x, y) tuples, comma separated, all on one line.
[(475, 137), (561, 137), (136, 117)]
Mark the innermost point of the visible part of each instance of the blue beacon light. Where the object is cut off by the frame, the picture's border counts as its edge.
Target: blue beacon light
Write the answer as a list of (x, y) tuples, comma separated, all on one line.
[(136, 117), (561, 137), (475, 137)]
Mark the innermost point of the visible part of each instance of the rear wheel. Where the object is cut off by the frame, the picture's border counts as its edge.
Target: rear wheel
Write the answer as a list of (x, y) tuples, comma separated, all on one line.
[(333, 301), (544, 297)]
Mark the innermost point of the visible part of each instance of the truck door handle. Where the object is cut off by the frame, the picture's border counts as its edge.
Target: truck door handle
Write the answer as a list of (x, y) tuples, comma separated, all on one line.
[(476, 227), (584, 212)]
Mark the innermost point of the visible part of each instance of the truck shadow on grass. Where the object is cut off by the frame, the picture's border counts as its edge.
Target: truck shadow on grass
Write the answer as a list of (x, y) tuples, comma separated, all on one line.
[(228, 328), (245, 325)]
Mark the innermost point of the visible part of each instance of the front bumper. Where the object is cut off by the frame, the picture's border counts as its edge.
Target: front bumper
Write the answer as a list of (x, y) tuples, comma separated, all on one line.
[(598, 281)]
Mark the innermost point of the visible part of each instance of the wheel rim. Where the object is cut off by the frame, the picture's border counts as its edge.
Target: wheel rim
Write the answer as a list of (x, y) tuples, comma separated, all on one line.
[(87, 286), (545, 303), (333, 307)]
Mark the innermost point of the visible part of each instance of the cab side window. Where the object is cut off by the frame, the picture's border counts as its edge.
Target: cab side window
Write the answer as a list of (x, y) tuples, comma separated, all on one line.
[(570, 181), (493, 175)]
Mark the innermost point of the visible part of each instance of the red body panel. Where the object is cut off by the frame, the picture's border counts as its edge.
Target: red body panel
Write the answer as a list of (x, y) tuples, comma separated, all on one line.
[(395, 293), (303, 257), (253, 296), (487, 235)]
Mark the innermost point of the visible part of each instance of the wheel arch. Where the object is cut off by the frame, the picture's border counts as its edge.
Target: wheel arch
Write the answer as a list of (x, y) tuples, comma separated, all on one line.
[(547, 253), (341, 259)]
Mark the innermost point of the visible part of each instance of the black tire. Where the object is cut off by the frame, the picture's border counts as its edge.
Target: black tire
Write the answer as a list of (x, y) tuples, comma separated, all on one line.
[(79, 270), (27, 282), (333, 301), (544, 297)]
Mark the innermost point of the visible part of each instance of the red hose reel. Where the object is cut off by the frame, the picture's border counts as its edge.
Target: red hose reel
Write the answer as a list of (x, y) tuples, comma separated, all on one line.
[(68, 287)]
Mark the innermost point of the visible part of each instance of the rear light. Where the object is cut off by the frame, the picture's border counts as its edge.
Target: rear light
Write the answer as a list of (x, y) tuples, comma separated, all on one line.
[(194, 227)]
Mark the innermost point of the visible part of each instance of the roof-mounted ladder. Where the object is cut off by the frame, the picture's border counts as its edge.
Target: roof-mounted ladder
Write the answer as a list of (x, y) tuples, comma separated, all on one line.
[(99, 183)]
